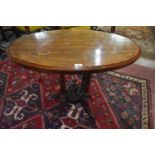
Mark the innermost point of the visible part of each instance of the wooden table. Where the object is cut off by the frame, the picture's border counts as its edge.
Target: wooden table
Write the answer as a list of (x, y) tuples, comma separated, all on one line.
[(74, 52)]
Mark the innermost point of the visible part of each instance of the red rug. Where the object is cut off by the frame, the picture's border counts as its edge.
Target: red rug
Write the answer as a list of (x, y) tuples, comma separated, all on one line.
[(117, 101)]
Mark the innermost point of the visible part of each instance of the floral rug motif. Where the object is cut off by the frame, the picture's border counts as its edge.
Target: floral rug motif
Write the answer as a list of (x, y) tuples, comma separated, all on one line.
[(116, 101), (128, 97)]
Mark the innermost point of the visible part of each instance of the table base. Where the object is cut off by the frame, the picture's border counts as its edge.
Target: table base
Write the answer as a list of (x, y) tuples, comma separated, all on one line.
[(75, 93)]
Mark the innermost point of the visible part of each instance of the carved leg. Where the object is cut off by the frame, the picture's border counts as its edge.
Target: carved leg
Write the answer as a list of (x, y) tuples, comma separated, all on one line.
[(86, 82), (85, 87), (62, 83), (113, 29), (4, 37), (62, 89), (75, 93)]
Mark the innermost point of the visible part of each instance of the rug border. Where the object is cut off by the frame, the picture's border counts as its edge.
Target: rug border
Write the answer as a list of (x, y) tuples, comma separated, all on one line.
[(150, 120)]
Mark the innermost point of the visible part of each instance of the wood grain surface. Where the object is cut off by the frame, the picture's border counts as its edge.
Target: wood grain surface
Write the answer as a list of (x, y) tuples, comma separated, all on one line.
[(73, 51)]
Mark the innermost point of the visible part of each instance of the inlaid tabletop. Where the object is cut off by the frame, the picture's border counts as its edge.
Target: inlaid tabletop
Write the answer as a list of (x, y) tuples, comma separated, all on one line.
[(73, 51)]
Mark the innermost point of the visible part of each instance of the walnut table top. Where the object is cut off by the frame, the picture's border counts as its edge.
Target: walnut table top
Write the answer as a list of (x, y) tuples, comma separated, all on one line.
[(73, 51)]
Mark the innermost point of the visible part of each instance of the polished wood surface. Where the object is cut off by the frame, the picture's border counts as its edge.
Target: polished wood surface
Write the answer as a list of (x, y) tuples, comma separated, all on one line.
[(73, 51)]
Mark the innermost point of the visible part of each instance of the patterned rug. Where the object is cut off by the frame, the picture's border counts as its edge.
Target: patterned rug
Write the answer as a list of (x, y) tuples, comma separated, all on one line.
[(26, 101)]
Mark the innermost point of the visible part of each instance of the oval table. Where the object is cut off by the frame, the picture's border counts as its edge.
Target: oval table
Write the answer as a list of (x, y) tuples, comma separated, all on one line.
[(74, 52)]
